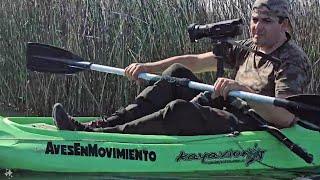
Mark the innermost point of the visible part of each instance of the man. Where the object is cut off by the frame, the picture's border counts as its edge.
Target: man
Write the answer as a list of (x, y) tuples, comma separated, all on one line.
[(164, 108)]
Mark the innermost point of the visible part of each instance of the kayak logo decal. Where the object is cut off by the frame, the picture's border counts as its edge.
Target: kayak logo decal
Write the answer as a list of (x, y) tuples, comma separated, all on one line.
[(93, 150), (248, 156)]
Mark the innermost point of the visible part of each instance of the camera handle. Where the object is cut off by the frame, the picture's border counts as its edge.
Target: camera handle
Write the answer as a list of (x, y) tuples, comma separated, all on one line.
[(220, 50)]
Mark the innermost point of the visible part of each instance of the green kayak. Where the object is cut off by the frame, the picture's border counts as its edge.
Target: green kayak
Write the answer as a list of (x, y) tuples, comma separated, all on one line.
[(33, 143)]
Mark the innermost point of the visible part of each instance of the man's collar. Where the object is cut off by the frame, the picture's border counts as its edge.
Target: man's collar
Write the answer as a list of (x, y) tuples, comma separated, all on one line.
[(283, 44), (288, 37)]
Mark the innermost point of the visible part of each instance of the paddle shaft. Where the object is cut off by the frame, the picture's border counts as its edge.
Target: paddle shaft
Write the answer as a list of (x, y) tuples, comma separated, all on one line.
[(148, 76), (199, 86)]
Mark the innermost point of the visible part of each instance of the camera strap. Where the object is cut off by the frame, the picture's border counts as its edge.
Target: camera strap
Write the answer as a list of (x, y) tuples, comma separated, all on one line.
[(259, 53)]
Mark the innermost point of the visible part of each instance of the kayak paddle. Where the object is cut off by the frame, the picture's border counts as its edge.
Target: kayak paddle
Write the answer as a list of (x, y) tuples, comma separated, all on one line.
[(46, 58)]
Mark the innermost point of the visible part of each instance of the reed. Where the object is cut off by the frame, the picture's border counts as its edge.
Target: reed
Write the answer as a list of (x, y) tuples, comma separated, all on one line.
[(114, 33)]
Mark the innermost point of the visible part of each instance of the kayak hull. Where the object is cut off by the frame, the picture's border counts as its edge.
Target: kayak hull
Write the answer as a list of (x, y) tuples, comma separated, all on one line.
[(33, 143)]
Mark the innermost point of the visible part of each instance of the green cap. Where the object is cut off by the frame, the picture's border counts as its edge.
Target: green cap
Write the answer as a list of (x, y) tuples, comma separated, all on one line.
[(278, 7)]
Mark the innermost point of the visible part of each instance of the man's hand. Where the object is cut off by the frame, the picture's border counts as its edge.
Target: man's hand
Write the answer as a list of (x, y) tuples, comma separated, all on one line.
[(133, 70), (223, 86)]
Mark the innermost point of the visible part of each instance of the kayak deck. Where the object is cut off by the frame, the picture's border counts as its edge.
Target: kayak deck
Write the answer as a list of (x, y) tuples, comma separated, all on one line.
[(33, 143)]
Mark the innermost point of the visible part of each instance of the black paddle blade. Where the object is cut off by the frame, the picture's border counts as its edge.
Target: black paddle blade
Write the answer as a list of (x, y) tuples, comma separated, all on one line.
[(310, 111), (46, 58)]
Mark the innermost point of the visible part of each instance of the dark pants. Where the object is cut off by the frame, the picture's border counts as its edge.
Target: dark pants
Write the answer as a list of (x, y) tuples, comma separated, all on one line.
[(165, 108)]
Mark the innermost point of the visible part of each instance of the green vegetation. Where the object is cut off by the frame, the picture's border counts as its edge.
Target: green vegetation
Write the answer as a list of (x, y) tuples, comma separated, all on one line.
[(114, 33)]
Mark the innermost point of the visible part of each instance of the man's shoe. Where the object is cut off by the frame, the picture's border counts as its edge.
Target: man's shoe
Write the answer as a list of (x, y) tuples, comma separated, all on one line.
[(63, 121)]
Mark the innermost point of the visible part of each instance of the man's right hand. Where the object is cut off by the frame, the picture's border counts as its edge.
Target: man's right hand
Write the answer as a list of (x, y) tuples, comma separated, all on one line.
[(133, 70)]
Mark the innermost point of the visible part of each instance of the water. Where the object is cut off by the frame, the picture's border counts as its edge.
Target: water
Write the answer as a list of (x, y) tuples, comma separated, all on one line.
[(14, 174)]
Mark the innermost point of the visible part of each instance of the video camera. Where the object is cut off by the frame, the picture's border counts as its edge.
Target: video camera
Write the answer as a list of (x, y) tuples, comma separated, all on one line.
[(216, 31), (221, 34)]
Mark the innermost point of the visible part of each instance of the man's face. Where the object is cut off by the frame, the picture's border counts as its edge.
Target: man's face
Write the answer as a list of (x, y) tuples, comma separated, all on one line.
[(265, 28)]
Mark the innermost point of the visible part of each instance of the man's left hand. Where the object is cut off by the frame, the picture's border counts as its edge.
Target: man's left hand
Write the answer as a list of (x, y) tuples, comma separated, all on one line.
[(223, 86)]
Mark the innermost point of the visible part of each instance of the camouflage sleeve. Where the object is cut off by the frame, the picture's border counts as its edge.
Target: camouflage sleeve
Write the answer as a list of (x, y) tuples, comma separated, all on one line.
[(292, 77)]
